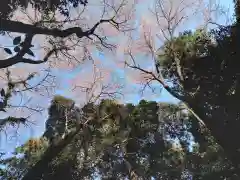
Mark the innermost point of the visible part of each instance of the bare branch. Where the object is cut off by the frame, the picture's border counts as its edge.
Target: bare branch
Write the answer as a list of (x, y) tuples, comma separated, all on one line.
[(12, 121), (97, 90), (32, 30), (15, 26), (154, 77), (14, 60), (165, 86)]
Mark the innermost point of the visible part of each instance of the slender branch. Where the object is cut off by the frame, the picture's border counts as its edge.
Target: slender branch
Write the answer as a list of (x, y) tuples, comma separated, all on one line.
[(168, 89), (31, 30), (18, 59), (154, 77), (12, 120)]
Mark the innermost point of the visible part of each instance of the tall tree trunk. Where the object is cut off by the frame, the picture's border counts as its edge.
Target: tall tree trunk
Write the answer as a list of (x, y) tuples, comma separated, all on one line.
[(237, 10), (225, 134)]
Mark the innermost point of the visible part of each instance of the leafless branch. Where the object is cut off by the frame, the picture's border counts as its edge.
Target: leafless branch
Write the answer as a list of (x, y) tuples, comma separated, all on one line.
[(97, 90), (12, 121), (154, 77)]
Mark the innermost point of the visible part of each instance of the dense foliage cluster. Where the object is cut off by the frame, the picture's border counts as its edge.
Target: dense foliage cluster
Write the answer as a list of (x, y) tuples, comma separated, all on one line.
[(45, 6), (204, 69), (140, 141)]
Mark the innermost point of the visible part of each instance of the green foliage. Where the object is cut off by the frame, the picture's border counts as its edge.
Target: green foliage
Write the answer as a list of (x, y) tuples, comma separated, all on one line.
[(29, 52), (186, 48), (60, 115), (7, 50), (209, 63), (45, 6), (62, 101), (120, 141), (3, 93), (17, 40), (17, 49)]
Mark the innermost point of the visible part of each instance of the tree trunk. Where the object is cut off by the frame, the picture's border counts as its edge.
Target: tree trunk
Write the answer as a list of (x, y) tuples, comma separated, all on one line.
[(225, 134)]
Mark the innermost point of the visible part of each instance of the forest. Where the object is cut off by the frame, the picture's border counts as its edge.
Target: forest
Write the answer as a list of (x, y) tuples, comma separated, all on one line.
[(73, 67)]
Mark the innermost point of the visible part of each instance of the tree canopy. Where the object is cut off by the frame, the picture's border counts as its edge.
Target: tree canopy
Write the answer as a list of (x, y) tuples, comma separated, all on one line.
[(117, 141), (143, 141), (202, 68), (207, 79)]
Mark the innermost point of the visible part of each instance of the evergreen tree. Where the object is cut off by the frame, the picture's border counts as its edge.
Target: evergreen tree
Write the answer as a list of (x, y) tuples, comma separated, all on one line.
[(143, 141)]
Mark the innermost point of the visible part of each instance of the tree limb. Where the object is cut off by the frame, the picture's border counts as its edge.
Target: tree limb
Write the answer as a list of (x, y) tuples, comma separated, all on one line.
[(35, 173), (168, 89), (11, 120), (31, 30), (19, 27), (17, 59)]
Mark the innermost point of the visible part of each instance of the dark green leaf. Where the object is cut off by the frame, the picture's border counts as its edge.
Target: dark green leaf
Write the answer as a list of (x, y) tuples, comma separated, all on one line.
[(19, 149), (29, 52), (17, 40), (21, 44), (2, 92), (7, 50), (17, 49), (31, 76)]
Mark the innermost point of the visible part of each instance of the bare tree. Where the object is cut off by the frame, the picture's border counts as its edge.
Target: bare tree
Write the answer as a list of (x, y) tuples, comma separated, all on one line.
[(65, 39)]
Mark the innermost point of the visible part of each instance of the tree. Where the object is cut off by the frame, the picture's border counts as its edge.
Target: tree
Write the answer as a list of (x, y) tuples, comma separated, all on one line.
[(63, 31), (127, 141), (205, 102), (202, 67), (210, 81)]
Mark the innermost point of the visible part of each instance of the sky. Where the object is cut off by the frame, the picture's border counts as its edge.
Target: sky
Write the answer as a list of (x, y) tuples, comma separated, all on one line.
[(66, 77)]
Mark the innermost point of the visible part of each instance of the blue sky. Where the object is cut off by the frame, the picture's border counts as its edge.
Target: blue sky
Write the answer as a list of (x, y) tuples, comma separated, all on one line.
[(119, 74)]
